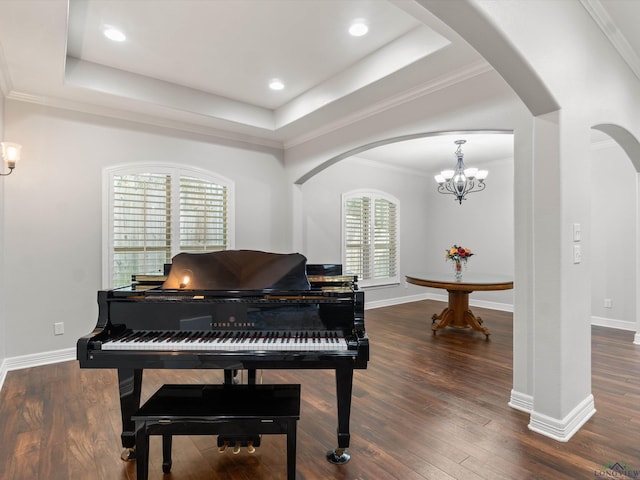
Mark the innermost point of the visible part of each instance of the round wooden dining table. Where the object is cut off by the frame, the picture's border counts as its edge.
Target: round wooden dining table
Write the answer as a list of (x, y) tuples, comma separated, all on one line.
[(457, 314)]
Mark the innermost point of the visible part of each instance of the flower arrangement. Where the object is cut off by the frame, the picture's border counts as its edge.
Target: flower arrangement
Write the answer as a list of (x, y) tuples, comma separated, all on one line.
[(458, 254)]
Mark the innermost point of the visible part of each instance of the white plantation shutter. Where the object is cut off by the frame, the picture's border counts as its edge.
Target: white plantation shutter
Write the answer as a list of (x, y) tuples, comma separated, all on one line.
[(357, 239), (203, 215), (385, 243), (154, 215), (370, 237), (141, 224)]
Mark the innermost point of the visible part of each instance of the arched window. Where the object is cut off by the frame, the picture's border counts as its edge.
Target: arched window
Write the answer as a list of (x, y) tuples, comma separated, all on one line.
[(370, 250), (154, 212)]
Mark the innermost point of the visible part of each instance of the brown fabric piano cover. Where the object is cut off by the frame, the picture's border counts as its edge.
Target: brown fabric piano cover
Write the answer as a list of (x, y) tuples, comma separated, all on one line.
[(238, 270)]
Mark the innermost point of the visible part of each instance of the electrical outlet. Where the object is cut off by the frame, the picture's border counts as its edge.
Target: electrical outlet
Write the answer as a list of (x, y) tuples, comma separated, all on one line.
[(608, 303), (58, 328)]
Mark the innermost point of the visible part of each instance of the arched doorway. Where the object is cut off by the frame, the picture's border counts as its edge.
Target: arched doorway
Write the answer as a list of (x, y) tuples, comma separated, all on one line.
[(615, 229)]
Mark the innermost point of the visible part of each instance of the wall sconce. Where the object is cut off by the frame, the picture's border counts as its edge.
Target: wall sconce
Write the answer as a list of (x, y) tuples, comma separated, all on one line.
[(10, 154)]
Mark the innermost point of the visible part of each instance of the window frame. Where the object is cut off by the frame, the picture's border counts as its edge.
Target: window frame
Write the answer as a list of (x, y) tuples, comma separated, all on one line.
[(176, 172), (373, 195)]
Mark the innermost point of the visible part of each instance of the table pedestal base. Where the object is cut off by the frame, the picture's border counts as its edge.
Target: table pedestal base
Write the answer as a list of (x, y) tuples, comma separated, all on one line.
[(457, 314)]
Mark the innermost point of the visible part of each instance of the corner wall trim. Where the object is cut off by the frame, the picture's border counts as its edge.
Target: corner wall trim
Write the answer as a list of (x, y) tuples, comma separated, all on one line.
[(563, 429)]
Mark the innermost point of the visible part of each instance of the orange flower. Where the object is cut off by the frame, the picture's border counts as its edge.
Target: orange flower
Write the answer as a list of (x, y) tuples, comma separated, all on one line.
[(458, 253)]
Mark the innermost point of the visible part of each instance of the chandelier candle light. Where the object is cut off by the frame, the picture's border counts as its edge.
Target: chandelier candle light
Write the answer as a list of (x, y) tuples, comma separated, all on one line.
[(462, 180), (458, 255)]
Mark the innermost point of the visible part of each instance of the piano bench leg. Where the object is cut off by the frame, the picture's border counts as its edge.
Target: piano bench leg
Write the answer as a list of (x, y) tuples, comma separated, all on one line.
[(167, 440)]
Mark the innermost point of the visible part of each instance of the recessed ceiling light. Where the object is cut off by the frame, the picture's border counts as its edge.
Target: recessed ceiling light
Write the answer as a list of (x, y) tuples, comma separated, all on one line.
[(358, 28), (114, 34), (276, 84)]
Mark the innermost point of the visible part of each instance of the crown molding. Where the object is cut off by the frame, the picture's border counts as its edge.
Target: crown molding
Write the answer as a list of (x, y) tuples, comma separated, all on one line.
[(467, 72), (151, 120), (440, 83), (615, 36)]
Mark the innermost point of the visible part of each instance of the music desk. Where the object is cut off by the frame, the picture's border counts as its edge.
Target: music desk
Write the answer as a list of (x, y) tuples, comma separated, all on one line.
[(458, 314)]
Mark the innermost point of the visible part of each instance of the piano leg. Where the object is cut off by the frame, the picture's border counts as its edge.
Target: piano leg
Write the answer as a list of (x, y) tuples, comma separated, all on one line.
[(130, 385), (231, 377), (344, 387)]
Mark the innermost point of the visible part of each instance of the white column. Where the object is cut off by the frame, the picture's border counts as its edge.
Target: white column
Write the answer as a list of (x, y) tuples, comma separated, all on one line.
[(521, 397), (562, 400)]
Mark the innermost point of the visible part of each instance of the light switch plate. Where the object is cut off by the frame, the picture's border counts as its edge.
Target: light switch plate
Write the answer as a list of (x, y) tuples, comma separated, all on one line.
[(577, 232), (577, 254)]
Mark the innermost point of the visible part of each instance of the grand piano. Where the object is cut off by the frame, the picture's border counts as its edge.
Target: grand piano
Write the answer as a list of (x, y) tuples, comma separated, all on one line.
[(233, 310)]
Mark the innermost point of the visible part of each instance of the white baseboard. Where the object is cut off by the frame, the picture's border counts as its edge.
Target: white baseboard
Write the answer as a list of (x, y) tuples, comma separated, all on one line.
[(35, 360), (613, 323), (521, 401), (563, 429), (396, 301), (504, 307)]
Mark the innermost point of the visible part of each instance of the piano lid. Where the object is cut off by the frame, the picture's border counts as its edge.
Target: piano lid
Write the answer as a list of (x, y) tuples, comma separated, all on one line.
[(237, 270)]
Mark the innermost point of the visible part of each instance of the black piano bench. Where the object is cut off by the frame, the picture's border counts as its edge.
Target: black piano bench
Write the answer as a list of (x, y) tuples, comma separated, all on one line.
[(235, 411)]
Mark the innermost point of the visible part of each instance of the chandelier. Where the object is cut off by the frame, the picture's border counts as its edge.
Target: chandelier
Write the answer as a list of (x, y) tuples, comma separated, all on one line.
[(461, 181)]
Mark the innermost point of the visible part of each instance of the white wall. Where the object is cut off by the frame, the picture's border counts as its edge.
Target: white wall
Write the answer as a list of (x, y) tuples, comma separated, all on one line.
[(429, 222), (53, 211), (3, 321), (613, 236), (484, 223), (322, 196)]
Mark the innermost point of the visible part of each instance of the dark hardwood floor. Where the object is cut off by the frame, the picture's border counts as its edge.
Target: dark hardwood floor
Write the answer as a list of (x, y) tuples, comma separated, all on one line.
[(428, 407)]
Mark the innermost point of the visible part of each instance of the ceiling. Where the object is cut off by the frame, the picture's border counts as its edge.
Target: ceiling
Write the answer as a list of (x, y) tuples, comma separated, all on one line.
[(205, 65)]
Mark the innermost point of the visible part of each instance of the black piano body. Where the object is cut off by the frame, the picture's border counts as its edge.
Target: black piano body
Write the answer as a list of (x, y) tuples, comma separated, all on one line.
[(281, 319)]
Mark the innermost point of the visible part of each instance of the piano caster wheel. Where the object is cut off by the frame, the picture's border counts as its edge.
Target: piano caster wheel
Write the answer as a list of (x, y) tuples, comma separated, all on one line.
[(339, 456), (250, 447), (222, 448), (166, 467), (128, 454), (236, 448)]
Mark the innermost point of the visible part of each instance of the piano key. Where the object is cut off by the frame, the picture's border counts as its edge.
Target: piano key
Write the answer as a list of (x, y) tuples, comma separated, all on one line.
[(227, 341)]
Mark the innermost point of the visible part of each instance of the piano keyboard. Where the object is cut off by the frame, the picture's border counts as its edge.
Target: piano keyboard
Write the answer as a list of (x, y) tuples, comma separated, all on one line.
[(228, 341)]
